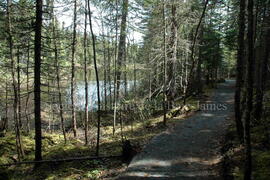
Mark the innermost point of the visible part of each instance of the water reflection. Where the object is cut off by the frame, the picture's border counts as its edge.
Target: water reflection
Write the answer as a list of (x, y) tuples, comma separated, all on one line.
[(92, 93)]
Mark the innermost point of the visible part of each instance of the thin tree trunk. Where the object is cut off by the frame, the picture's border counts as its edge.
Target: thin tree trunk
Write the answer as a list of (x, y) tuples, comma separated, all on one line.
[(115, 70), (19, 147), (27, 89), (85, 78), (134, 70), (105, 66), (6, 108), (164, 66), (37, 82), (19, 89), (199, 65), (49, 97), (109, 71), (97, 79), (190, 75), (57, 64), (74, 123)]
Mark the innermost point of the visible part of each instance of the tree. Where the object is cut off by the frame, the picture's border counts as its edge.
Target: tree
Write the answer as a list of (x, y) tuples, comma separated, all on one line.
[(14, 83), (73, 51), (122, 45), (239, 70), (97, 77), (85, 76), (172, 56), (258, 108), (164, 65), (249, 90), (37, 81), (57, 64), (190, 75)]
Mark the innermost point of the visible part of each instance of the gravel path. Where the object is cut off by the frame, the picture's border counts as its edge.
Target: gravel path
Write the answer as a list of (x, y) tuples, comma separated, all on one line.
[(191, 149)]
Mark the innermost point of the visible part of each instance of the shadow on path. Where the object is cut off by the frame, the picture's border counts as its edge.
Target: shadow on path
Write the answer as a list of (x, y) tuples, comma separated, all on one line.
[(191, 149)]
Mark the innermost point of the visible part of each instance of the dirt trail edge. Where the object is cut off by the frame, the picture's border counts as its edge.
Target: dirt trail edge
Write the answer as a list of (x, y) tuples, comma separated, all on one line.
[(191, 150)]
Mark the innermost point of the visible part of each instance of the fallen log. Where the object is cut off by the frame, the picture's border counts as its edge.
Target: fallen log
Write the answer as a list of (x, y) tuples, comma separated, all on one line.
[(61, 160)]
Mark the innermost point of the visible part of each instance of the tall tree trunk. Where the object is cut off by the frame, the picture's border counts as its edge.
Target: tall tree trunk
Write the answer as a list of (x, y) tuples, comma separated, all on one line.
[(109, 70), (97, 79), (19, 89), (121, 55), (37, 81), (57, 64), (190, 75), (172, 57), (74, 42), (85, 78), (19, 147), (164, 65), (6, 108), (249, 89), (115, 70), (105, 66), (199, 84), (239, 70), (27, 89), (122, 46), (263, 76)]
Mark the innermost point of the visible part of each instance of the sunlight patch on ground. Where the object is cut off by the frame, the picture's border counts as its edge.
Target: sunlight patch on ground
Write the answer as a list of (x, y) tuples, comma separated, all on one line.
[(207, 115), (205, 131), (144, 174), (151, 162), (190, 160)]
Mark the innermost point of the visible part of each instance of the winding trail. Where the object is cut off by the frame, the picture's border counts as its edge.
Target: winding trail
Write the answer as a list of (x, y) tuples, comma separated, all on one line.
[(190, 150)]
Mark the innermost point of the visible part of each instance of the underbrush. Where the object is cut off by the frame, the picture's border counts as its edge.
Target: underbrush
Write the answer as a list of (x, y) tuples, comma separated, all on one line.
[(143, 126), (235, 156), (55, 148)]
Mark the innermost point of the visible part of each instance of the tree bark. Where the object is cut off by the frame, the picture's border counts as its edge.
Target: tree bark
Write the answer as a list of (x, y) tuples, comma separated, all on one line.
[(6, 108), (239, 70), (190, 74), (19, 147), (249, 89), (19, 89), (172, 57), (199, 84), (74, 123), (57, 64), (263, 76), (97, 78), (27, 89), (86, 117), (115, 70), (122, 46), (37, 81), (164, 66), (105, 66)]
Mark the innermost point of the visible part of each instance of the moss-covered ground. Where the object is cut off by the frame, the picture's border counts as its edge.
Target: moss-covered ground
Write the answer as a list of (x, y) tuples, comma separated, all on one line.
[(139, 132)]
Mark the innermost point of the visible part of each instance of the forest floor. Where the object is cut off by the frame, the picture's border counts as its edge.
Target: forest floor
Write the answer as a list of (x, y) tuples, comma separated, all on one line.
[(140, 132), (190, 149)]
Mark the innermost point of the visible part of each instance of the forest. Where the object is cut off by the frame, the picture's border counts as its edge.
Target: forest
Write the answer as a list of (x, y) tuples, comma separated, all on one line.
[(134, 89)]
